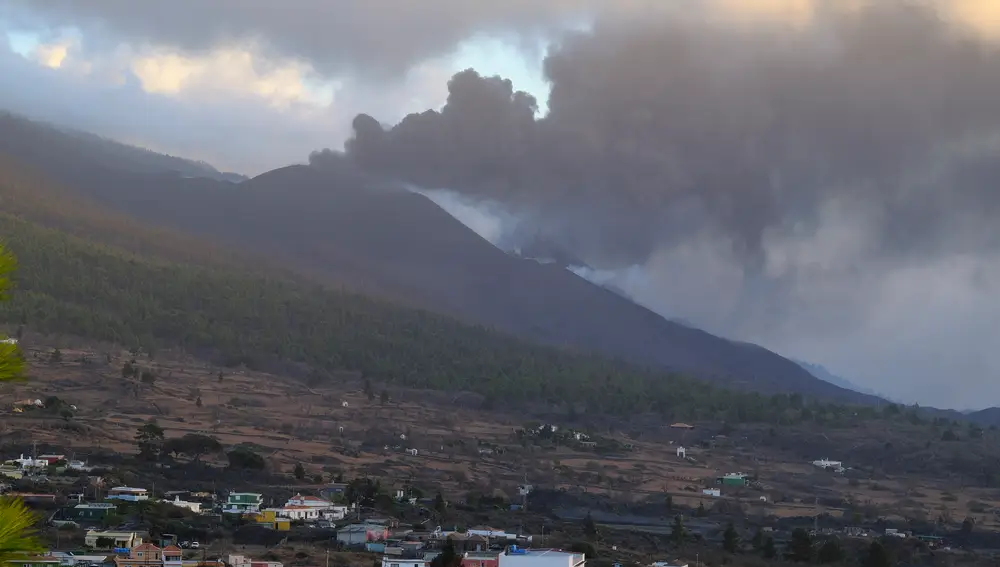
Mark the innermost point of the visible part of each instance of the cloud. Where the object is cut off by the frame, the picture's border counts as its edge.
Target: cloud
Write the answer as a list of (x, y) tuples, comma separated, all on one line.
[(232, 106), (820, 180)]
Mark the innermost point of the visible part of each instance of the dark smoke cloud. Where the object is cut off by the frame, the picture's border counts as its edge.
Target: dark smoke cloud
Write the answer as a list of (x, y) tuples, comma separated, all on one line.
[(786, 185)]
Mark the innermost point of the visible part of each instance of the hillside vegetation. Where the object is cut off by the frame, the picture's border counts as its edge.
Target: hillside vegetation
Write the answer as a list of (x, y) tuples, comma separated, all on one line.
[(95, 274)]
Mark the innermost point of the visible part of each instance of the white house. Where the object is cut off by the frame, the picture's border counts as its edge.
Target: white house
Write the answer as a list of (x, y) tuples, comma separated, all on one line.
[(119, 539), (715, 492), (394, 561), (128, 494), (827, 464), (297, 513), (309, 502), (682, 452), (28, 463), (519, 557), (193, 506)]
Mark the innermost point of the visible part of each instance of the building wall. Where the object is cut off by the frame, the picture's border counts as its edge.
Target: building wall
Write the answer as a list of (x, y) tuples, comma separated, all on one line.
[(539, 560)]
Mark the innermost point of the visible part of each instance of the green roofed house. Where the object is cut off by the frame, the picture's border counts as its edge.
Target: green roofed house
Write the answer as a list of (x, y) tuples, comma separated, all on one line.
[(733, 479), (243, 503), (91, 512)]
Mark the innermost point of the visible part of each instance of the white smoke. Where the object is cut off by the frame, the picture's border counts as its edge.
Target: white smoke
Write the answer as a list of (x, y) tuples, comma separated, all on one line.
[(907, 328)]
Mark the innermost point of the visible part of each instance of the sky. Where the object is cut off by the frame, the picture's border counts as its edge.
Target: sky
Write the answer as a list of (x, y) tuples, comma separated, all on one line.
[(235, 104), (250, 85)]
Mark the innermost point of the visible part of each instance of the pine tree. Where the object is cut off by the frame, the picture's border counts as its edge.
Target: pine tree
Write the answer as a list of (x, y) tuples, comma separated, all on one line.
[(589, 527), (877, 556), (769, 551), (300, 471), (677, 532), (730, 539)]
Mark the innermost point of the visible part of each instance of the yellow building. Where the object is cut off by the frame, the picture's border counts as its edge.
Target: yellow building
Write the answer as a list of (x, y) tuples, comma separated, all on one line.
[(268, 519)]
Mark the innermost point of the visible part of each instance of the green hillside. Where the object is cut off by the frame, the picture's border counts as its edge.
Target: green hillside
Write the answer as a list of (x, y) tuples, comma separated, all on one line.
[(87, 272)]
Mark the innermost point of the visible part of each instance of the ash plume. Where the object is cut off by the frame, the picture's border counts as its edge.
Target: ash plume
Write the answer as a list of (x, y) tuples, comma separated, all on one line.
[(829, 190)]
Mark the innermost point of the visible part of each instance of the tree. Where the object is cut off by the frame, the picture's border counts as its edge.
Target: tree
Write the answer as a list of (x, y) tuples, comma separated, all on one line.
[(668, 502), (448, 556), (768, 551), (193, 445), (197, 402), (17, 535), (369, 390), (700, 512), (220, 377), (56, 356), (128, 370), (300, 471), (384, 397), (104, 543), (245, 458), (758, 539), (440, 505), (149, 439), (148, 377), (677, 532), (589, 527), (877, 556), (800, 547), (830, 552), (730, 539)]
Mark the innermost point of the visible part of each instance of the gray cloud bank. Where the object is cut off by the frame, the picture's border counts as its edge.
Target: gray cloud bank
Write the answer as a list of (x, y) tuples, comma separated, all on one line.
[(381, 38), (830, 191)]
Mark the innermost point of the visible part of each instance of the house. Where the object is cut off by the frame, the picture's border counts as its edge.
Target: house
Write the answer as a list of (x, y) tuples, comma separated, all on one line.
[(516, 556), (359, 534), (297, 513), (33, 498), (269, 519), (313, 502), (243, 503), (193, 506), (143, 555), (488, 532), (244, 561), (715, 492), (733, 479), (28, 463), (91, 512), (677, 563), (100, 539), (682, 452), (481, 559), (681, 426), (128, 494), (34, 562), (829, 465), (336, 488), (173, 556), (400, 561), (51, 459)]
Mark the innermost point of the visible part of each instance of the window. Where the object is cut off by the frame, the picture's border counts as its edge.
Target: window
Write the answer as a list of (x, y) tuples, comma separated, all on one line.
[(390, 565)]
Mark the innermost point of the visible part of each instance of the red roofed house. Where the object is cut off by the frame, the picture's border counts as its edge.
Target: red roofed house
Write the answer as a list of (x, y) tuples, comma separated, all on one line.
[(303, 513), (143, 555)]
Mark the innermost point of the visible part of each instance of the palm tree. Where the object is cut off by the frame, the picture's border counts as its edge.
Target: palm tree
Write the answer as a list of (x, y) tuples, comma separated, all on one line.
[(17, 538)]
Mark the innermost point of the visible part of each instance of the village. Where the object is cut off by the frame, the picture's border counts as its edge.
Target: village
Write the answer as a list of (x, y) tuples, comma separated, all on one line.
[(238, 466)]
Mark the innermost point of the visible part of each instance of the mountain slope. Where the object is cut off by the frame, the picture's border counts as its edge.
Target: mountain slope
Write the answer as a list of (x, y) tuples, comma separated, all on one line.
[(38, 142), (343, 228), (81, 285)]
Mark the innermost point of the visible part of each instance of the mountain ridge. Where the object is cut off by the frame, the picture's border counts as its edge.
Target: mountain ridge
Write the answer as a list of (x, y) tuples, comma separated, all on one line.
[(343, 228)]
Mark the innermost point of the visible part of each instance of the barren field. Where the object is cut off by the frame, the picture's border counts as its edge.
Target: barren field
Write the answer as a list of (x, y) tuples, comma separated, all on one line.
[(336, 428)]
